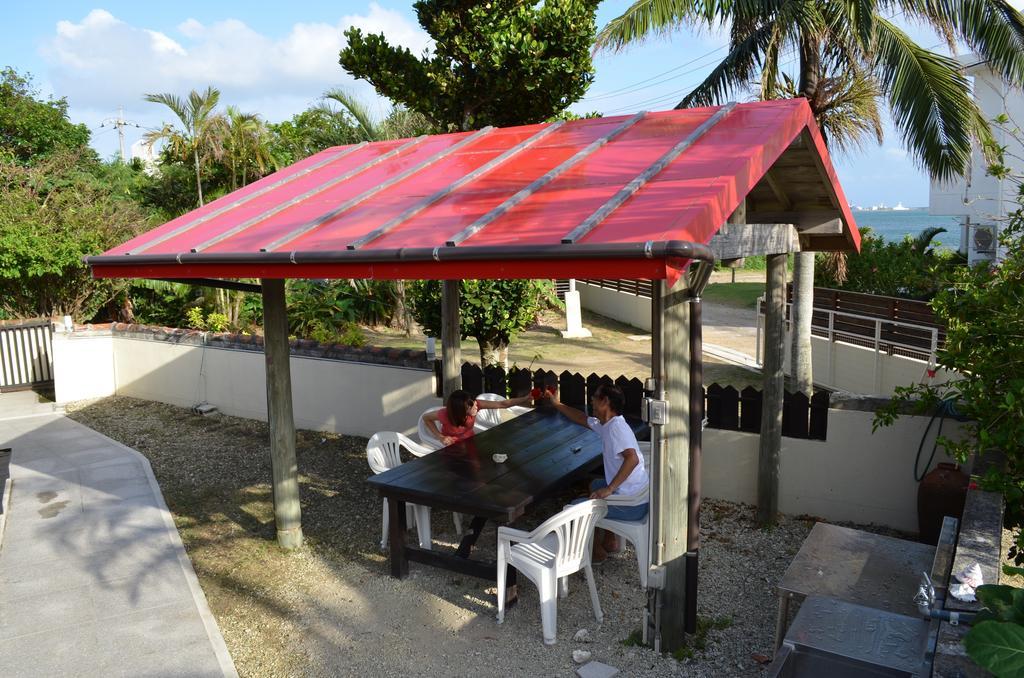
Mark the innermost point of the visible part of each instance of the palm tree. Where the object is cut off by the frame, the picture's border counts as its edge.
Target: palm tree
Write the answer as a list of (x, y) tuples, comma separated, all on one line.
[(927, 93), (198, 139), (246, 144), (400, 123), (368, 127)]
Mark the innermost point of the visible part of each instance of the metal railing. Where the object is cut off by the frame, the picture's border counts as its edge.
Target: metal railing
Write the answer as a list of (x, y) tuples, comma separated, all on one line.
[(885, 337)]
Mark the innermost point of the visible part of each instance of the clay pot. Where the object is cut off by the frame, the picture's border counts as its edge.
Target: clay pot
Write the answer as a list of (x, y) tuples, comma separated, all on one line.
[(941, 493)]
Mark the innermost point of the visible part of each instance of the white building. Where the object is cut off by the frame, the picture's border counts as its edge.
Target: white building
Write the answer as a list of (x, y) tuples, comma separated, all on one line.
[(983, 202), (142, 151)]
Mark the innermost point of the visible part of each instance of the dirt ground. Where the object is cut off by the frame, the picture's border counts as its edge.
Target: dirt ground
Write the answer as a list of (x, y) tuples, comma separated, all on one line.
[(330, 608)]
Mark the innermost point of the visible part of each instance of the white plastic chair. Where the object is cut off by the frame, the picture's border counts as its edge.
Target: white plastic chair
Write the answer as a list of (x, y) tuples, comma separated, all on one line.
[(636, 532), (383, 454), (426, 436), (548, 555), (485, 419)]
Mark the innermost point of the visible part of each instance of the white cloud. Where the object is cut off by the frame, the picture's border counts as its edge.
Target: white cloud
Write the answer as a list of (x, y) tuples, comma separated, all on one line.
[(894, 152), (102, 61)]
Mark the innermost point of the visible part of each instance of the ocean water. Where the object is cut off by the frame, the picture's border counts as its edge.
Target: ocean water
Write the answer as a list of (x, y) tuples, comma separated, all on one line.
[(893, 226)]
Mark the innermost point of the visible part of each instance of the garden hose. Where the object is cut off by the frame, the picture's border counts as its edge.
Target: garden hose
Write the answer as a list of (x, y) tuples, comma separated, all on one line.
[(946, 408)]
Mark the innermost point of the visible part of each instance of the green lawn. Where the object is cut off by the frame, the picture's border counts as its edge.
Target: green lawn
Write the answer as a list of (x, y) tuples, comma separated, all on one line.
[(738, 294)]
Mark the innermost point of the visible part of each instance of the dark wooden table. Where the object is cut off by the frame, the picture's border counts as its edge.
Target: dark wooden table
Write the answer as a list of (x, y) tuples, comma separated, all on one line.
[(546, 452)]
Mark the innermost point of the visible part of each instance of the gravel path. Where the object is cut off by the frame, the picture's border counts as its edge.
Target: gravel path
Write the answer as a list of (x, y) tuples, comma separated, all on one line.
[(331, 609)]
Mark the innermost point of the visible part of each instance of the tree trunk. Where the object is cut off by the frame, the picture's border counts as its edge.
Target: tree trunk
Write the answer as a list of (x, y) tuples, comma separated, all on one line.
[(402, 309), (803, 271), (493, 351), (199, 182), (803, 310)]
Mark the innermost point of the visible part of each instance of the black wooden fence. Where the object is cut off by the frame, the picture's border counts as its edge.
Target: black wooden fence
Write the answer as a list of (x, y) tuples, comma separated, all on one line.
[(725, 407)]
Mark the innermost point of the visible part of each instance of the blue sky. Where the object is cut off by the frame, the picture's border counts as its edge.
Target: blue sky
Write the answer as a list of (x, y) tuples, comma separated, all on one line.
[(277, 58)]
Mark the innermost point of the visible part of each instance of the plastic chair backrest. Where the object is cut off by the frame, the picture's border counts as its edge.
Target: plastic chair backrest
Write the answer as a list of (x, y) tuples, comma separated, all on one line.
[(427, 436), (574, 527), (383, 451), (489, 417)]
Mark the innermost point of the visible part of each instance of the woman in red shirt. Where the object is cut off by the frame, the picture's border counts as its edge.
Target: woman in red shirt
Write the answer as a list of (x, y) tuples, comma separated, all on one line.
[(454, 421)]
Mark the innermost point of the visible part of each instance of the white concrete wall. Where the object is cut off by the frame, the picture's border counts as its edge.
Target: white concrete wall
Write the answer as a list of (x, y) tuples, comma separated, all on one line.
[(327, 395), (854, 475), (627, 308), (83, 366)]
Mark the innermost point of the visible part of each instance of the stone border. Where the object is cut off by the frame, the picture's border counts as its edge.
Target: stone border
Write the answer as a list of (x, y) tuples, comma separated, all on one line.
[(306, 348)]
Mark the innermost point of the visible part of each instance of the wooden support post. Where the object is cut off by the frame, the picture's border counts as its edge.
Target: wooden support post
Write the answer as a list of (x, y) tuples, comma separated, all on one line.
[(671, 487), (451, 338), (774, 382), (287, 511)]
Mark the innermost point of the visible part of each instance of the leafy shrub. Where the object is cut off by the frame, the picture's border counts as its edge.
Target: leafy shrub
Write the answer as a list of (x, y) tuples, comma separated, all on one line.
[(155, 302), (996, 639), (194, 318), (910, 268), (217, 322), (492, 311), (318, 303), (352, 335)]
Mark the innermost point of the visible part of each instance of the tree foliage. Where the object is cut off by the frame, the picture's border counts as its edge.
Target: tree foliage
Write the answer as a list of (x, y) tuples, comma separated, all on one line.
[(31, 128), (928, 93), (200, 136), (53, 213), (499, 63), (494, 312), (910, 268)]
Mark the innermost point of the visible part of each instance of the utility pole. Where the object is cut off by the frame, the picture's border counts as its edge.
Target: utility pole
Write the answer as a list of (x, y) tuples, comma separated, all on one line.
[(120, 123)]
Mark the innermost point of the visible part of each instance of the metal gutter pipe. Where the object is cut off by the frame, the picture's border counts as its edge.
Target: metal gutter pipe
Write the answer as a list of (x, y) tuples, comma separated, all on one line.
[(680, 249)]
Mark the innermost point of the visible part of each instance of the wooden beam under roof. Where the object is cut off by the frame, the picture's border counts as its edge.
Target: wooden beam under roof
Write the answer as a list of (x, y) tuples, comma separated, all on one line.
[(736, 241), (780, 193)]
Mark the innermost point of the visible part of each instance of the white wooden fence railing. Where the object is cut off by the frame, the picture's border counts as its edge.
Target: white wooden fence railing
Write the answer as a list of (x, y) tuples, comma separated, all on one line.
[(26, 355), (888, 338)]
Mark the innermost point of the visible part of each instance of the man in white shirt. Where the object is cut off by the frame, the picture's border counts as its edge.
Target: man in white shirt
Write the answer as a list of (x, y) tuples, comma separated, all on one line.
[(624, 471)]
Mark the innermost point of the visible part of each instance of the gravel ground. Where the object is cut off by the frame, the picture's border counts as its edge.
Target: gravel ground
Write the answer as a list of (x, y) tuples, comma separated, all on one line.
[(331, 609)]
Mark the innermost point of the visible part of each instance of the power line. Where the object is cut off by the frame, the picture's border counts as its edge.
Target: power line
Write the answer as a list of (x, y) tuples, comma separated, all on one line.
[(623, 90), (120, 123), (676, 94)]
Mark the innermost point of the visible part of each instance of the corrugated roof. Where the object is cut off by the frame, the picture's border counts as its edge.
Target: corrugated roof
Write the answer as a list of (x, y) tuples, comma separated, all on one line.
[(609, 197)]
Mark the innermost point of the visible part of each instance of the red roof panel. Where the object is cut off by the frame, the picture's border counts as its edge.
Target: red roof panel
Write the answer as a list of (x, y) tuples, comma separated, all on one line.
[(375, 208)]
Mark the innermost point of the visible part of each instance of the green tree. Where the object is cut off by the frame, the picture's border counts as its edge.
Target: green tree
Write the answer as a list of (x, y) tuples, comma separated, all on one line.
[(499, 63), (198, 140), (400, 123), (52, 214), (494, 312), (310, 132), (246, 146), (30, 127)]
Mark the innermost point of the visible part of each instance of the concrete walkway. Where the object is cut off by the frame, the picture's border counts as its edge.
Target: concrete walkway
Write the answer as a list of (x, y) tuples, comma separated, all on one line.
[(94, 580)]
